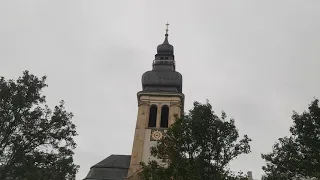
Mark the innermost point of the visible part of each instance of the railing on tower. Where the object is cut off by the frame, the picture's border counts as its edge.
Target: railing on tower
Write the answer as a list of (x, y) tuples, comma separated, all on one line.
[(164, 62)]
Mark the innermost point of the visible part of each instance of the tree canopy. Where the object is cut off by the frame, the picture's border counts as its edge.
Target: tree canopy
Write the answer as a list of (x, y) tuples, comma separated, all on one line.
[(197, 146), (36, 143), (298, 155)]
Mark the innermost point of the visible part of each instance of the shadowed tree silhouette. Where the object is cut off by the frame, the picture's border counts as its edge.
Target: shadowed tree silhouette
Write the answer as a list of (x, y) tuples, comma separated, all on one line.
[(197, 146), (36, 143)]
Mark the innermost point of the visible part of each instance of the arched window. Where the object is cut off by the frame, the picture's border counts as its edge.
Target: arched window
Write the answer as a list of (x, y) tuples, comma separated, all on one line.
[(153, 116), (164, 116)]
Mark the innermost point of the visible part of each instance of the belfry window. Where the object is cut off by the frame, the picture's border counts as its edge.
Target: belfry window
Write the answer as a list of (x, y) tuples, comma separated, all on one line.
[(153, 116), (164, 116)]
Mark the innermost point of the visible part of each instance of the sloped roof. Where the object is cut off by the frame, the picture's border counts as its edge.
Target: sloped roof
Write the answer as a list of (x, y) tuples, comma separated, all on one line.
[(114, 167)]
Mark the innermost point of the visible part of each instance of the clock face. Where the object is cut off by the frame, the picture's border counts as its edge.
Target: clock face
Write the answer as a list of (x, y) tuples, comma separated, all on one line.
[(156, 135)]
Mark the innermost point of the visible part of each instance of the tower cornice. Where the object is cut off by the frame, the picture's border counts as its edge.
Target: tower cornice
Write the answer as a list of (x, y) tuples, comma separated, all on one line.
[(161, 94)]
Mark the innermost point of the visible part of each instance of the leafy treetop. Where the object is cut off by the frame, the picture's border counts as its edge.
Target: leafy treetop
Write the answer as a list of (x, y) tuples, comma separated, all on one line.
[(35, 142), (197, 146), (297, 156)]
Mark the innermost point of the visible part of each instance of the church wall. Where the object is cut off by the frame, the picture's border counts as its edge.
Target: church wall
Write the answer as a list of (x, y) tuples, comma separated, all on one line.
[(148, 143), (139, 135), (146, 157), (142, 140)]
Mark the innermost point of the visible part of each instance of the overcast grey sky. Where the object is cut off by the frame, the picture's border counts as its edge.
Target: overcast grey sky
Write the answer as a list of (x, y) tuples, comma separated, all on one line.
[(256, 60)]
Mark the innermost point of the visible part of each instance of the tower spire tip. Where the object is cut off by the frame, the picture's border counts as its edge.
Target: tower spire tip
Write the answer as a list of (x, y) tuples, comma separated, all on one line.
[(167, 28)]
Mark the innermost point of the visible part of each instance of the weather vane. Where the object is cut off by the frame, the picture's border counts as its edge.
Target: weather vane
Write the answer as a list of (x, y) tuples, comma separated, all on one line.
[(167, 29)]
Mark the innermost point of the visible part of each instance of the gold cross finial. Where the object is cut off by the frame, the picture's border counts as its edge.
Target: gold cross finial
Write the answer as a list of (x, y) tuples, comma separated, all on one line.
[(167, 29)]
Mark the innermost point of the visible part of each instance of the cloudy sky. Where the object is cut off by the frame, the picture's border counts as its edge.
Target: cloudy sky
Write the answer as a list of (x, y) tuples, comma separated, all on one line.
[(256, 60)]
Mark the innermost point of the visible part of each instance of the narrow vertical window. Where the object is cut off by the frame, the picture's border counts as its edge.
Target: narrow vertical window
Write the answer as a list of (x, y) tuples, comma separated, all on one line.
[(153, 116), (164, 116)]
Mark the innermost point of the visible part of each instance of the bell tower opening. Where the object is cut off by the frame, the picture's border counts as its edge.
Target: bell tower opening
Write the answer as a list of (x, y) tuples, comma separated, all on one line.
[(153, 116), (164, 116)]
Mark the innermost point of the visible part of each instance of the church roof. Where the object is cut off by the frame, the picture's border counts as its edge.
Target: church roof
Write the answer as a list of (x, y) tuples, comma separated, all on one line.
[(163, 77), (165, 47), (114, 167)]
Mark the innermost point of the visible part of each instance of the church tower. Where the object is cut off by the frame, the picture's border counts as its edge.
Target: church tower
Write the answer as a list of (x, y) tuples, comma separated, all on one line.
[(160, 100)]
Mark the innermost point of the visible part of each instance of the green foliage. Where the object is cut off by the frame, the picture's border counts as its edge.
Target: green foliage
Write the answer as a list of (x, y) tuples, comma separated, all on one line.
[(197, 146), (36, 143), (298, 155)]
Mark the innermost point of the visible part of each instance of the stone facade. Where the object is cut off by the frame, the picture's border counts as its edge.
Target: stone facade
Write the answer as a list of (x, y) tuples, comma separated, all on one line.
[(143, 139)]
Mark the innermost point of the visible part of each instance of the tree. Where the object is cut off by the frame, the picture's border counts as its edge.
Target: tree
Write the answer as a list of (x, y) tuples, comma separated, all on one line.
[(197, 146), (36, 143), (297, 156)]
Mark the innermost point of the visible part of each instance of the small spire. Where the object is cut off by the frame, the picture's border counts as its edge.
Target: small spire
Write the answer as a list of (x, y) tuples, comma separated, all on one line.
[(167, 29), (166, 38)]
